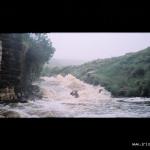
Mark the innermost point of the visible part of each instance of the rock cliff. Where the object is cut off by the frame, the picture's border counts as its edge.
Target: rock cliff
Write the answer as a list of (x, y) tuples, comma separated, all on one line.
[(11, 66)]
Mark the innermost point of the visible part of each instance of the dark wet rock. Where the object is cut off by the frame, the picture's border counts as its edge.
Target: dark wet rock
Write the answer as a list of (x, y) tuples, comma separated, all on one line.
[(100, 90), (19, 95), (10, 114)]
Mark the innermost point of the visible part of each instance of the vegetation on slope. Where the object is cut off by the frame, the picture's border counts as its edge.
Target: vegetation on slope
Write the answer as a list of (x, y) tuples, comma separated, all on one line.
[(38, 51), (127, 75)]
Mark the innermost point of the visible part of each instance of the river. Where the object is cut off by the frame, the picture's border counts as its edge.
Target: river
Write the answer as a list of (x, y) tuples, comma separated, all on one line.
[(58, 102)]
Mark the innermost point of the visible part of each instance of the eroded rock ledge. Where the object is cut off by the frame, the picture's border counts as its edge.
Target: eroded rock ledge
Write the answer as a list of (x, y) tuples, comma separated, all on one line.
[(13, 78)]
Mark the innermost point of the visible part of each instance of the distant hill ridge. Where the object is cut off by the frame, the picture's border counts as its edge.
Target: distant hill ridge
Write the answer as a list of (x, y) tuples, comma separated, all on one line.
[(65, 62)]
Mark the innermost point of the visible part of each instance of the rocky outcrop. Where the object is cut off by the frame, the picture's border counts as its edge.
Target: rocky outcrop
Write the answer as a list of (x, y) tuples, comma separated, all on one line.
[(11, 66), (0, 53), (7, 94)]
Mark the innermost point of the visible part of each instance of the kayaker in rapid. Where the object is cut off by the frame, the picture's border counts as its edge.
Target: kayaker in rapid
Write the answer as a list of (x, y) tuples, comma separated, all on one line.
[(75, 93)]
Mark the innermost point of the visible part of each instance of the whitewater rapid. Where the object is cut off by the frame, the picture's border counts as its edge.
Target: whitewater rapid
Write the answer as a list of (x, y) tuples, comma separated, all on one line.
[(58, 102), (59, 88)]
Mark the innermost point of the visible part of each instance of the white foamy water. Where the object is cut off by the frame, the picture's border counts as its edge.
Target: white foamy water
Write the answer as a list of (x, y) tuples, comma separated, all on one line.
[(58, 102)]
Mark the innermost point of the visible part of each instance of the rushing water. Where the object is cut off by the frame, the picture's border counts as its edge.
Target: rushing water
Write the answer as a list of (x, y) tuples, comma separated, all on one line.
[(58, 102)]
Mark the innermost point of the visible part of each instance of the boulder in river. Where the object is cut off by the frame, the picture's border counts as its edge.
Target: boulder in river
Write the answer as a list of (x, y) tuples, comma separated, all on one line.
[(100, 90)]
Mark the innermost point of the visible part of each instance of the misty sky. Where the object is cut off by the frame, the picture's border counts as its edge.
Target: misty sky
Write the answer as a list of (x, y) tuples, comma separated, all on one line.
[(89, 46)]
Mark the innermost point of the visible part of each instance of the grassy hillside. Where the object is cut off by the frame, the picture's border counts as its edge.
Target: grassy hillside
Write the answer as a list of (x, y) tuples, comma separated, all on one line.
[(127, 75)]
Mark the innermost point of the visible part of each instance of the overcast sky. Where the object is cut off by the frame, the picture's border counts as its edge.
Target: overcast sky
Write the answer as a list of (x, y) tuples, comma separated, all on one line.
[(89, 46)]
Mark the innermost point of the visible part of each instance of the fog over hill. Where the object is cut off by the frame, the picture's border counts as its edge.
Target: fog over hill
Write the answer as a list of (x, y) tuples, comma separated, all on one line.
[(65, 62)]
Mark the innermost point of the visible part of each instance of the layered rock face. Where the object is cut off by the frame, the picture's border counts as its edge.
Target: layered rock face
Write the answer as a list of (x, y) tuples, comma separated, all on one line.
[(0, 54), (11, 66)]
